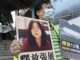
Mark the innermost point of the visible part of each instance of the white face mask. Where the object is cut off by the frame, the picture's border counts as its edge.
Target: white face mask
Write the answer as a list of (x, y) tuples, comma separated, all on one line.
[(49, 14)]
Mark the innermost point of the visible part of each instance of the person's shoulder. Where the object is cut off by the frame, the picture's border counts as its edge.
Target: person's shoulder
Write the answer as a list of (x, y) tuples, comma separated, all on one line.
[(25, 44)]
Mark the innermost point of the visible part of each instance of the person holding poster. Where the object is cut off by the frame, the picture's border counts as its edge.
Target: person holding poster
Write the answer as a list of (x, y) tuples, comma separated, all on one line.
[(16, 47)]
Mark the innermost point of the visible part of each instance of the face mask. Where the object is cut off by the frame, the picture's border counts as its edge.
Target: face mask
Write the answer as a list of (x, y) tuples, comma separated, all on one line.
[(49, 14)]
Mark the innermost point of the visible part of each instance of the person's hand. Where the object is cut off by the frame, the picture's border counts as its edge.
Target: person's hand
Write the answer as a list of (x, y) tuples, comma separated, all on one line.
[(15, 47)]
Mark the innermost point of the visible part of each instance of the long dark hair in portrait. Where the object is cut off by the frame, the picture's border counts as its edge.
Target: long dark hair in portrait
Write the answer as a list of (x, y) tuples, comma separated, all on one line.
[(30, 36)]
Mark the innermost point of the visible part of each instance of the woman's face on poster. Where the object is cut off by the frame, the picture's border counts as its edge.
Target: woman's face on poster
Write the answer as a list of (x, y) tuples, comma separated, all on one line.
[(36, 31)]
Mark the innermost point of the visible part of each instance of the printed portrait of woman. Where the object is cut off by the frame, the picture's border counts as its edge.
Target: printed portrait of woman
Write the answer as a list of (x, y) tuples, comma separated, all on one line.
[(36, 38)]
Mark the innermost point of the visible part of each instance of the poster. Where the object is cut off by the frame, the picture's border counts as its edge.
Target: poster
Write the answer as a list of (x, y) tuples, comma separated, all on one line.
[(35, 37)]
